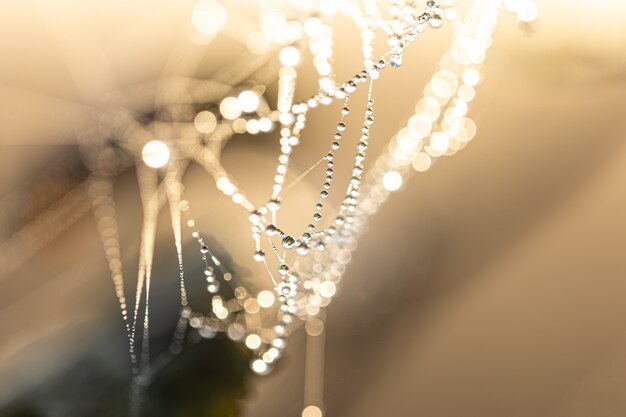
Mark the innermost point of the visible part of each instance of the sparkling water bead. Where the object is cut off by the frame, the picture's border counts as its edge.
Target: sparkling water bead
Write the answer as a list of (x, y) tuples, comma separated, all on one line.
[(424, 17), (273, 205), (289, 242), (271, 230), (396, 60), (259, 256), (436, 21), (255, 217), (286, 289), (303, 249), (283, 270)]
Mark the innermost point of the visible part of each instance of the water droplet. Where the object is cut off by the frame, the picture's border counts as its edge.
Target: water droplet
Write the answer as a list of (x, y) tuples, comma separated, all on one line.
[(289, 242), (396, 60), (259, 256), (436, 21)]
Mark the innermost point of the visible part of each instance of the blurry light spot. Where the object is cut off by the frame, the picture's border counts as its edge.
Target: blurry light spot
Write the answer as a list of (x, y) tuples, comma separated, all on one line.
[(289, 56), (314, 327), (466, 93), (471, 77), (265, 299), (251, 305), (265, 124), (253, 126), (326, 83), (229, 107), (327, 288), (221, 313), (312, 310), (155, 154), (328, 6), (422, 162), (312, 411), (441, 88), (292, 31), (392, 181), (439, 142), (279, 343), (451, 15), (239, 125), (240, 292), (271, 20), (253, 341), (236, 331), (527, 12), (205, 122), (466, 129), (208, 16), (511, 5), (419, 126), (259, 366), (225, 186), (313, 26), (248, 101), (273, 353), (238, 198)]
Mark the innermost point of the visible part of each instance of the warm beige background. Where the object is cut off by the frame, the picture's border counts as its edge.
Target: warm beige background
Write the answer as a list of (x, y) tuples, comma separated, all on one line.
[(493, 285)]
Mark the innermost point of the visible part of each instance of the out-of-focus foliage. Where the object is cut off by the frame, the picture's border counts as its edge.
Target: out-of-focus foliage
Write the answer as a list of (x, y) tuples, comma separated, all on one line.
[(206, 380)]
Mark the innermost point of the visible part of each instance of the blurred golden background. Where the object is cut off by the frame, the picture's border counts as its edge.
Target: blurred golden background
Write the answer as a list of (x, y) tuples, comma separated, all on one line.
[(491, 285)]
